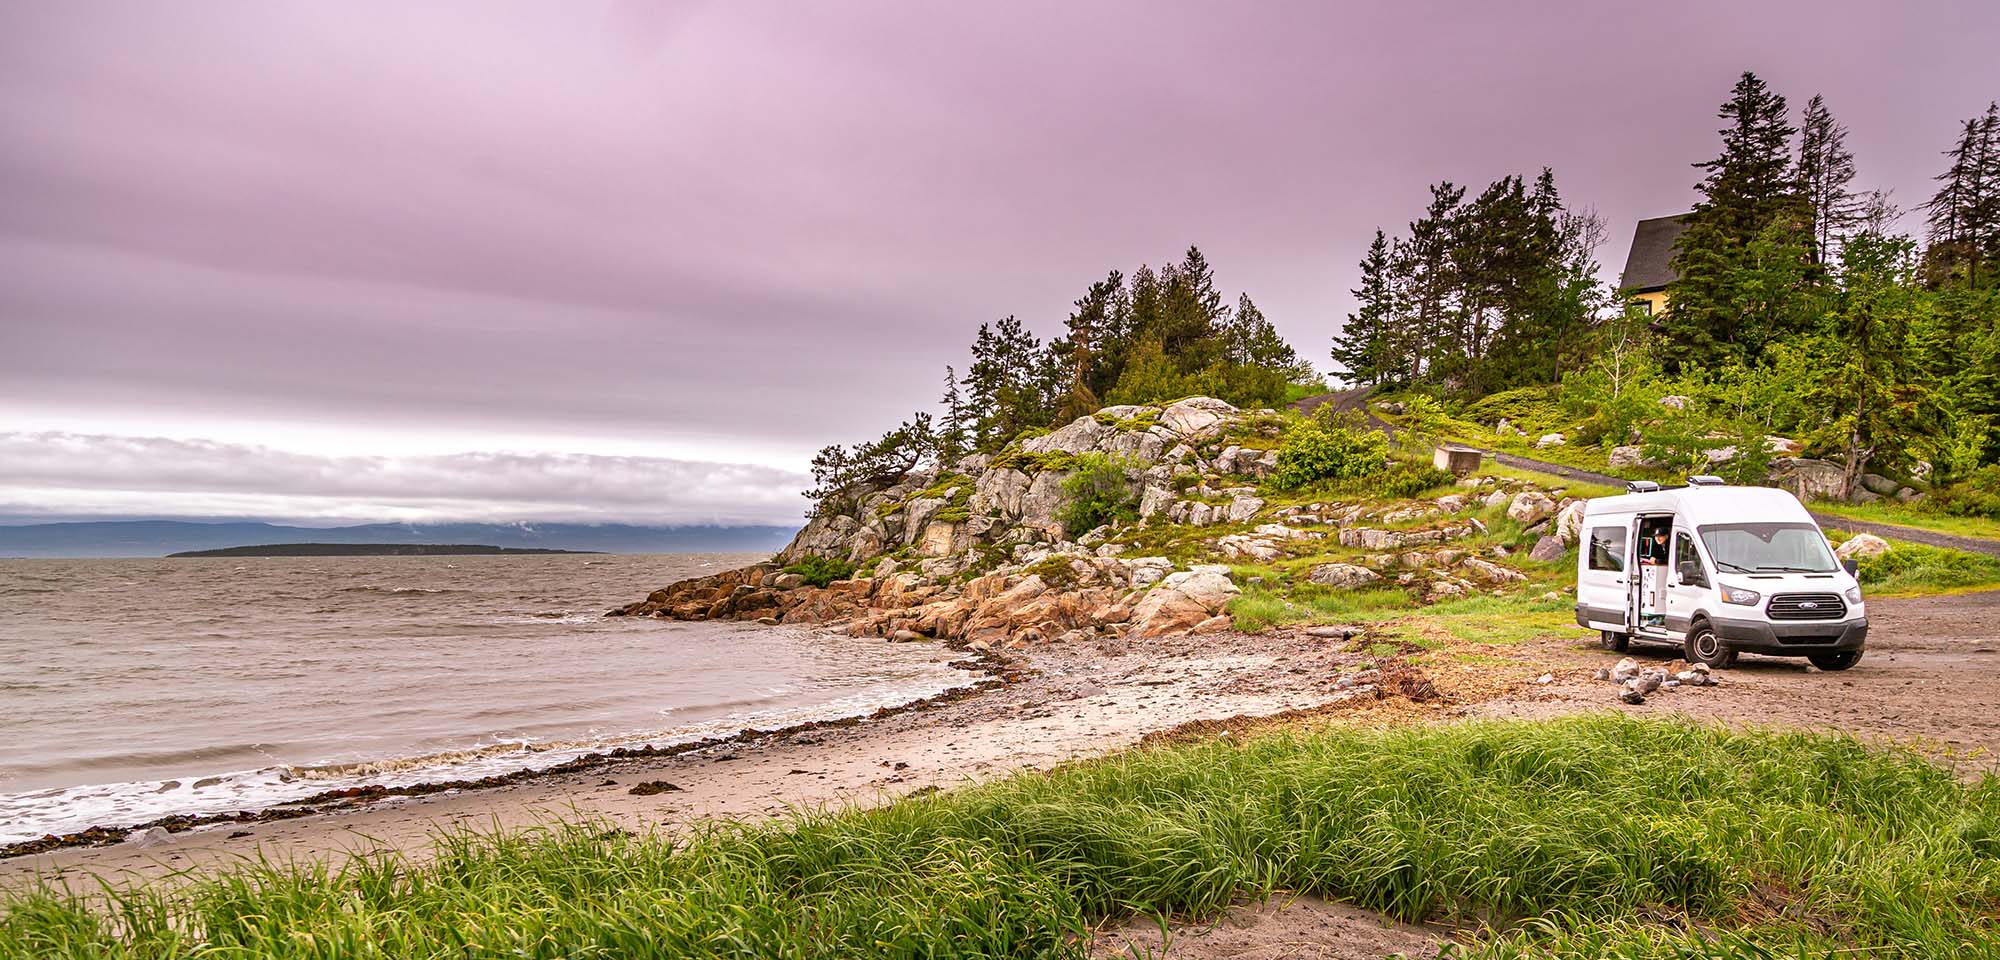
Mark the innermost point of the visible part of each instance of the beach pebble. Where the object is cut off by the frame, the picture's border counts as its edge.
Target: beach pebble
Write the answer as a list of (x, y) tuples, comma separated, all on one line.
[(1545, 679), (151, 837)]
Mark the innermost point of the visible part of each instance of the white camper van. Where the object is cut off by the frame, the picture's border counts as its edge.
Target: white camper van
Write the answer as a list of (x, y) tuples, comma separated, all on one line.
[(1719, 570)]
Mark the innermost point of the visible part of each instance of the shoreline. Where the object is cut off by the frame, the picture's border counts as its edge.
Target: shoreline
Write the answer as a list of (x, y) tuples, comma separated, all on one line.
[(991, 672), (1036, 708)]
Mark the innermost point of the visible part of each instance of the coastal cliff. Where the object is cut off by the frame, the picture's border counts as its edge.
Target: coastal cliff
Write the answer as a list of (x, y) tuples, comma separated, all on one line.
[(980, 553)]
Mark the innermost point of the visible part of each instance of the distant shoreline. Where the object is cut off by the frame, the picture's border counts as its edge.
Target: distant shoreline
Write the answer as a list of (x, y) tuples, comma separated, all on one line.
[(370, 550)]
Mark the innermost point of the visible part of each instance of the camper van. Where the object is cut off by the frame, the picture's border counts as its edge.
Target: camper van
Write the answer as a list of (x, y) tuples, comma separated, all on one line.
[(1718, 570)]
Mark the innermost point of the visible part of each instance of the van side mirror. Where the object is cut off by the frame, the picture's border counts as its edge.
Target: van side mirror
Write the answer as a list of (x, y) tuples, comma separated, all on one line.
[(1851, 565)]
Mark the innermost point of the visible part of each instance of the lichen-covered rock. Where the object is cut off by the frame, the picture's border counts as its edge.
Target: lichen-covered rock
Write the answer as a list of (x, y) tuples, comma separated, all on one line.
[(1627, 457), (1243, 507), (1569, 522), (1547, 550), (1530, 507), (1810, 479), (1342, 575), (1198, 418)]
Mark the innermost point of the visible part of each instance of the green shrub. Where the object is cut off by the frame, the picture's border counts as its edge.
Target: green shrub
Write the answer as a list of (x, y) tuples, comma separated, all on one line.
[(1097, 493), (1314, 451), (1529, 408), (820, 571), (1915, 566), (1975, 495), (1405, 480)]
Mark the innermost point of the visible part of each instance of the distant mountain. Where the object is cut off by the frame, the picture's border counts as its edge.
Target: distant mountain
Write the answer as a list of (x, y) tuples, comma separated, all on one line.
[(155, 538)]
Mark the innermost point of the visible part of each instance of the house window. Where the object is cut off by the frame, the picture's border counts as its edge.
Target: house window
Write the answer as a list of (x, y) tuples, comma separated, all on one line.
[(1643, 308), (1607, 548)]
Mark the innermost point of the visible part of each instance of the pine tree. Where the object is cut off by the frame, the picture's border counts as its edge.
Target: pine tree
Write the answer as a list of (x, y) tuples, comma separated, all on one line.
[(1361, 347), (953, 433), (1748, 189), (1825, 178), (1964, 215)]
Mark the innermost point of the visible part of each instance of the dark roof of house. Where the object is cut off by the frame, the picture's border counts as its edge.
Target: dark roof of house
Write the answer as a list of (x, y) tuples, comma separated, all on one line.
[(1648, 266)]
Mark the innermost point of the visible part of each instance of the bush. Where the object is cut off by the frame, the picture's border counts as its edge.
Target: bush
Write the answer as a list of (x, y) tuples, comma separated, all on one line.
[(1097, 493), (820, 571), (1406, 480), (1977, 494), (1313, 451), (1915, 566)]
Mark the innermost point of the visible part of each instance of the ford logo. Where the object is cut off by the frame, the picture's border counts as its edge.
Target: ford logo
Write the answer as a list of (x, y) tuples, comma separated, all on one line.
[(1809, 605)]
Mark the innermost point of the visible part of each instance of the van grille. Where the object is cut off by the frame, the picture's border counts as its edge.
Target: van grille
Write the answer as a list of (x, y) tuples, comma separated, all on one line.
[(1807, 606)]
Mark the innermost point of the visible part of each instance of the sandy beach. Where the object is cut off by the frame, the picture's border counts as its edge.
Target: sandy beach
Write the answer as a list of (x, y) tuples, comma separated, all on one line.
[(1072, 703)]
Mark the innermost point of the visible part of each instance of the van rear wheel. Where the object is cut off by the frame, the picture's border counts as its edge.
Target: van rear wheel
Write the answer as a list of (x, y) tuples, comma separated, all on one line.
[(1703, 646), (1614, 641), (1835, 659)]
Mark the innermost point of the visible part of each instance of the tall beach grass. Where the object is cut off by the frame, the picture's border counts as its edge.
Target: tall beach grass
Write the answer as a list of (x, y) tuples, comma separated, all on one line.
[(1600, 836)]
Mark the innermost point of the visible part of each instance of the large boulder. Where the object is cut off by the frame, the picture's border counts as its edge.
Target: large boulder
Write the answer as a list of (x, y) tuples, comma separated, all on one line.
[(1810, 479), (1342, 575), (1569, 522), (1241, 546), (1244, 507), (1546, 550), (1628, 456), (1879, 485), (1041, 501), (1081, 435), (1550, 440), (1863, 546), (1153, 500), (1530, 507), (1198, 418), (1182, 602)]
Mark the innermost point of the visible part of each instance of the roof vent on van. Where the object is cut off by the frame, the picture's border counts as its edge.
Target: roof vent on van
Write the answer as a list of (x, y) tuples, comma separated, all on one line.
[(1641, 486), (1705, 480)]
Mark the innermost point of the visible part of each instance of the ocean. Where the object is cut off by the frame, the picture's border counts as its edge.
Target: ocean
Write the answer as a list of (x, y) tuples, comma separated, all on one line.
[(132, 689)]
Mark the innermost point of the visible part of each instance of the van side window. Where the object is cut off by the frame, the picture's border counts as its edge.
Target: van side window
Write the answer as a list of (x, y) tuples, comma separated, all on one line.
[(1688, 562), (1607, 548)]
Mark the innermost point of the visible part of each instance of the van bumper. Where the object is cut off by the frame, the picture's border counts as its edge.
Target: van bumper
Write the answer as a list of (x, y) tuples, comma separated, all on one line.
[(1793, 638)]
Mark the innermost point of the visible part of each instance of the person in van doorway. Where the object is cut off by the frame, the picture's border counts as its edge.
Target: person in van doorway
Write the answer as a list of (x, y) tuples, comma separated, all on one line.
[(1653, 577)]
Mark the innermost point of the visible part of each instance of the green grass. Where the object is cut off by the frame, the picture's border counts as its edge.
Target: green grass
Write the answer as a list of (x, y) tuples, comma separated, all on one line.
[(1912, 515), (1587, 837)]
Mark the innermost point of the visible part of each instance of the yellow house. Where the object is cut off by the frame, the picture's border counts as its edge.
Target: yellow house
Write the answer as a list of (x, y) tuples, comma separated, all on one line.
[(1649, 267)]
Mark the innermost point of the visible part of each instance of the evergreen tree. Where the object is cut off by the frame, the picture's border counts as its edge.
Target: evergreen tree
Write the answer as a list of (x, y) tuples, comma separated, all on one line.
[(1749, 189), (1825, 178), (1360, 348), (1964, 215), (954, 433)]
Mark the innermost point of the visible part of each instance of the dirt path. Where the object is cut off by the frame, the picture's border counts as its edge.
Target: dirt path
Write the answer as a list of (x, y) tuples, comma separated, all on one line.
[(1930, 678), (1895, 531)]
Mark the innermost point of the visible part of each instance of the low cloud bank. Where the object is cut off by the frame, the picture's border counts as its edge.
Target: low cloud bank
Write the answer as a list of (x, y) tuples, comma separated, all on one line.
[(82, 475)]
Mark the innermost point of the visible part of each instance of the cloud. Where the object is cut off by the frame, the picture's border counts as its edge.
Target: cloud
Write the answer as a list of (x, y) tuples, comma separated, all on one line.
[(71, 474)]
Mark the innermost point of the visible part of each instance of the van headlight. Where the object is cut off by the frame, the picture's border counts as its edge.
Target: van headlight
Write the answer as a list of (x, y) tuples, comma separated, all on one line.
[(1747, 598), (1854, 594)]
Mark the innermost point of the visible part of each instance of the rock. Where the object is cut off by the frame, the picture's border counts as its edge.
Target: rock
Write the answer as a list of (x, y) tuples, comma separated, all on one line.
[(884, 569), (1530, 507), (1180, 603), (1783, 446), (1549, 440), (1865, 496), (1547, 550), (1207, 585), (652, 787), (1334, 632), (1628, 456), (1674, 402), (1907, 494), (151, 837), (1630, 693), (1394, 408), (1569, 522), (1809, 479), (1198, 418), (1153, 500), (1494, 499), (1649, 680), (1243, 508), (1625, 669), (1342, 575), (1863, 546), (1216, 624), (1545, 679), (1243, 547), (1491, 572), (907, 636), (789, 581), (1602, 673), (1880, 485), (1081, 435)]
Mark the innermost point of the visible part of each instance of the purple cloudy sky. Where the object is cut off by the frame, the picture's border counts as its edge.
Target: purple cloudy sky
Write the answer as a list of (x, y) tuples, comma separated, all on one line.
[(636, 260)]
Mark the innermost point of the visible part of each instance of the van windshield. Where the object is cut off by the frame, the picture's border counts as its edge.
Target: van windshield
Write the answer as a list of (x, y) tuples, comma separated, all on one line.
[(1767, 548)]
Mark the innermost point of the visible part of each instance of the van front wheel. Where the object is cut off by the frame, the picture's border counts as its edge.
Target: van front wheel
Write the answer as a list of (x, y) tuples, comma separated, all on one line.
[(1835, 659), (1703, 646), (1614, 641)]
